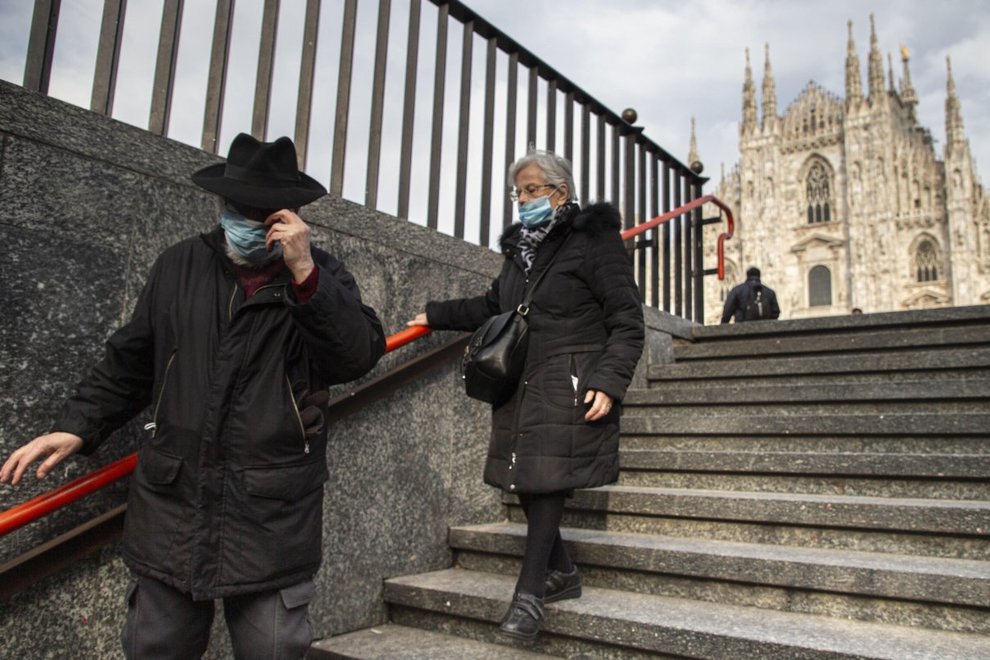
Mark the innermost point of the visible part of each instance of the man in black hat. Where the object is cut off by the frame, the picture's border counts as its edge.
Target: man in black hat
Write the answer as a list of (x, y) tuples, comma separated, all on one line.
[(233, 342), (751, 301)]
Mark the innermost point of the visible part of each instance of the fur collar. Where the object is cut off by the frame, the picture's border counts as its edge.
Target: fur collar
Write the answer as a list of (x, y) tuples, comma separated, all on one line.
[(593, 219)]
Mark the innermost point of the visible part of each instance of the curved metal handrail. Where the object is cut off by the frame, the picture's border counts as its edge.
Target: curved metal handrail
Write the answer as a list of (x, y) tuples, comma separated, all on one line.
[(46, 503)]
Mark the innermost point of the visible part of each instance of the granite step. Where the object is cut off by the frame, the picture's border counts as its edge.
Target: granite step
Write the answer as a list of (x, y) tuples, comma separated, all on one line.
[(964, 517), (405, 643), (881, 575), (703, 421), (940, 466), (905, 361), (470, 603), (977, 445), (892, 380), (800, 408), (824, 484), (848, 341), (797, 390), (906, 321), (912, 526)]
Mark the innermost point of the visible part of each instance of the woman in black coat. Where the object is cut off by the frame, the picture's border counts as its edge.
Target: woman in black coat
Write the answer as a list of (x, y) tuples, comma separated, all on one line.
[(560, 429)]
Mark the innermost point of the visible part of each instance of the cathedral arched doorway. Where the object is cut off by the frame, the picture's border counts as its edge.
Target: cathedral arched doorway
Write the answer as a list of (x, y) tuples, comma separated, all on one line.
[(819, 287)]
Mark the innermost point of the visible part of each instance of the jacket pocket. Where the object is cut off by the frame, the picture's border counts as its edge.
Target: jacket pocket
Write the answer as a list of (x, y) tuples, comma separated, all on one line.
[(159, 468), (288, 483)]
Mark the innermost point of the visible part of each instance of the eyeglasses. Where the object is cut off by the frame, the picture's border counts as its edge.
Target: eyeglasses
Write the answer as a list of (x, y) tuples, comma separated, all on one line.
[(529, 191)]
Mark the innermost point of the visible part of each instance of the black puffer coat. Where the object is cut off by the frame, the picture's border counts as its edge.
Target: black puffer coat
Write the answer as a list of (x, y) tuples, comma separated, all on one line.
[(586, 332), (227, 496)]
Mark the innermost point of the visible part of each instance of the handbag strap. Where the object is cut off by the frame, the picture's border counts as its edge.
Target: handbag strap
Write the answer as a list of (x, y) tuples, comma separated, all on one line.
[(523, 307)]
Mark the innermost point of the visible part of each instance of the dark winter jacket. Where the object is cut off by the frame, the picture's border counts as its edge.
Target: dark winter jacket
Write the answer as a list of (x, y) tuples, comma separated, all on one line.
[(740, 295), (585, 332), (227, 495)]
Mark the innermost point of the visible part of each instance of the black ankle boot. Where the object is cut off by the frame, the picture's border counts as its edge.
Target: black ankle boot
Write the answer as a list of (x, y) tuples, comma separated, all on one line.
[(522, 620), (560, 586)]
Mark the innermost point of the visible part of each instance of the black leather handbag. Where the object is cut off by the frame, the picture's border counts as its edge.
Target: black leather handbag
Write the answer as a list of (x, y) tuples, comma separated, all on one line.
[(494, 358)]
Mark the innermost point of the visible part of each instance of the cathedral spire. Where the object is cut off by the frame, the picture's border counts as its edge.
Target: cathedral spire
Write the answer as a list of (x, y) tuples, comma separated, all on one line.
[(876, 66), (749, 100), (854, 82), (908, 94), (769, 91), (693, 150), (954, 134), (890, 71)]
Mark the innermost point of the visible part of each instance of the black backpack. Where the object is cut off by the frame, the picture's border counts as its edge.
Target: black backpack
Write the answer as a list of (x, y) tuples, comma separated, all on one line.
[(757, 307)]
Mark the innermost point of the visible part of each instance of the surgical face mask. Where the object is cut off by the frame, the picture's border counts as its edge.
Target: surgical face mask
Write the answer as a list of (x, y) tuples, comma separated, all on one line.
[(536, 212), (247, 237)]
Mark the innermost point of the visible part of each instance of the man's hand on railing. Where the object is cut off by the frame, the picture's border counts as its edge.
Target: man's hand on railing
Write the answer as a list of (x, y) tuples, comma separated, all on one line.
[(56, 446)]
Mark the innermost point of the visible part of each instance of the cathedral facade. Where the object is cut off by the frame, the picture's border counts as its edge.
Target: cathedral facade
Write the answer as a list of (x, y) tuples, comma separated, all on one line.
[(844, 203)]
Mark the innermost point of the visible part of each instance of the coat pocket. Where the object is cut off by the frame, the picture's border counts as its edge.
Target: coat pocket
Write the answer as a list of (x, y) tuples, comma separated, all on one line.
[(288, 483), (159, 468)]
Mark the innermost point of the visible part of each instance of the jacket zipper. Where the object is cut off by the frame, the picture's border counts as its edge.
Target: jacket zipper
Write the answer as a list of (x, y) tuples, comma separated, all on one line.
[(295, 407), (574, 378), (230, 304), (153, 425)]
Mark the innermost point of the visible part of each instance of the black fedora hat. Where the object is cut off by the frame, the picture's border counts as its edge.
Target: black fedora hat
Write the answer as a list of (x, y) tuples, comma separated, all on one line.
[(261, 174)]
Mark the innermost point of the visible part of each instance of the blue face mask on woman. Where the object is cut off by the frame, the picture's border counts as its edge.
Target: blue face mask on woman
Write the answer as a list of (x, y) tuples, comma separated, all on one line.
[(247, 237), (536, 212)]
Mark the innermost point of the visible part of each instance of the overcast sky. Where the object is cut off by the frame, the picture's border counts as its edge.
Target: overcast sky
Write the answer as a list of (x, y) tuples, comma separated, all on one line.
[(668, 60)]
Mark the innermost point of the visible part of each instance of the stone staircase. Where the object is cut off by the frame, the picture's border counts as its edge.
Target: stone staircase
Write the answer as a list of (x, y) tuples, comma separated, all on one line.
[(794, 489)]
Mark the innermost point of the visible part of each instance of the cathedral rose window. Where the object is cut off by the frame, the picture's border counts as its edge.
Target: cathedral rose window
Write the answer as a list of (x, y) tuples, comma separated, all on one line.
[(819, 195)]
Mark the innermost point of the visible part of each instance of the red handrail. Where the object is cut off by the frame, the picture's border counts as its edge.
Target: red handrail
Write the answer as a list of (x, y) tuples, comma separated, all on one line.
[(681, 210), (43, 504)]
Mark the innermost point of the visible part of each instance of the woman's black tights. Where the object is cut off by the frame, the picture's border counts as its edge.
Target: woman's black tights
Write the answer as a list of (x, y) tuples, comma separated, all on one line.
[(544, 547)]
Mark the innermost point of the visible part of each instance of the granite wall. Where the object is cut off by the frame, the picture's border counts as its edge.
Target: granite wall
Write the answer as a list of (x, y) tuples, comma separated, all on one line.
[(87, 203)]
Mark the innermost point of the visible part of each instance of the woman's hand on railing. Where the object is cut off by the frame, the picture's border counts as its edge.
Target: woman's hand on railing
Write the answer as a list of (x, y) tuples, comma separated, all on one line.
[(419, 320), (56, 446)]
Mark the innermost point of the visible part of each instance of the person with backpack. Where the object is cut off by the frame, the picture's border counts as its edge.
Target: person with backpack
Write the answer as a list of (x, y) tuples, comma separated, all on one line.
[(751, 300)]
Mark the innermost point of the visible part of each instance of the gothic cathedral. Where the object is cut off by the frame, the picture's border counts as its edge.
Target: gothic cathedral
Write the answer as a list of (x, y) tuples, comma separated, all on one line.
[(844, 204)]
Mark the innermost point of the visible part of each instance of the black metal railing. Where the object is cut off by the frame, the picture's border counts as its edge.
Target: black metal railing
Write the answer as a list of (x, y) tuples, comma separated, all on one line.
[(447, 179)]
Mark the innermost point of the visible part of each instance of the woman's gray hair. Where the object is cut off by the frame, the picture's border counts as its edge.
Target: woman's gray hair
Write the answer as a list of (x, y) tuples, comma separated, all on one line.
[(557, 169)]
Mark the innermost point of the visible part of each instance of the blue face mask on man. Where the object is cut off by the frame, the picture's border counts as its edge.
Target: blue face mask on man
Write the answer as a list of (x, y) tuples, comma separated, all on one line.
[(246, 237), (536, 212)]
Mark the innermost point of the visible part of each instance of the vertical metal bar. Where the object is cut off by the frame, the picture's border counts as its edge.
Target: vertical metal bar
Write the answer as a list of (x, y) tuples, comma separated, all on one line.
[(552, 114), (377, 105), (569, 130), (585, 153), (409, 109), (511, 91), (678, 250), (600, 137), (616, 166), (699, 255), (641, 216), (307, 74), (439, 77), (534, 77), (168, 50), (629, 180), (343, 98), (464, 126), (657, 240), (487, 145), (266, 64), (41, 45), (689, 239), (666, 237), (108, 56), (217, 81)]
